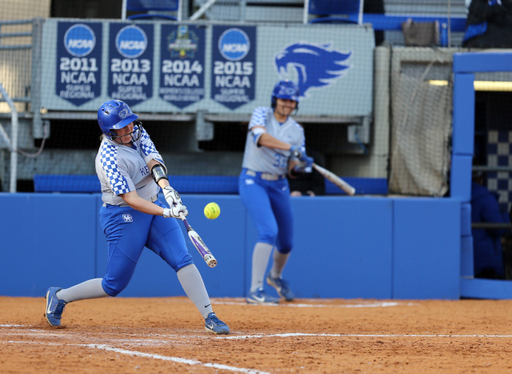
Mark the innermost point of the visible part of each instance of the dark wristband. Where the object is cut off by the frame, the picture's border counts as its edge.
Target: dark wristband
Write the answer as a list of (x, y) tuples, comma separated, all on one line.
[(158, 172)]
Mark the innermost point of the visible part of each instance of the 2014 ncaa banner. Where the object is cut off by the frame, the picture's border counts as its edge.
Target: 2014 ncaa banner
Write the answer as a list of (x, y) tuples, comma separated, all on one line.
[(182, 54)]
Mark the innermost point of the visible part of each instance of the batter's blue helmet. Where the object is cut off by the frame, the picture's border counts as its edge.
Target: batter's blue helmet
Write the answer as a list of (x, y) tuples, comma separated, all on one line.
[(114, 115), (285, 89)]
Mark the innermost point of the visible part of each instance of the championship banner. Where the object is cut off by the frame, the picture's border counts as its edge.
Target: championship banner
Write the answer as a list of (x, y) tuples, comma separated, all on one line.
[(234, 65), (130, 62), (182, 68), (78, 62)]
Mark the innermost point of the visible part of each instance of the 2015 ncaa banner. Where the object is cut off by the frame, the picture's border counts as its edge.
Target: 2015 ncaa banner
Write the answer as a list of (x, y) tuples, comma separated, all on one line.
[(234, 65)]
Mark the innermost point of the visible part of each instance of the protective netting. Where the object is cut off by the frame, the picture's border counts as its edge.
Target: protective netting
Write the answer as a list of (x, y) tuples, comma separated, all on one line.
[(194, 85), (420, 136)]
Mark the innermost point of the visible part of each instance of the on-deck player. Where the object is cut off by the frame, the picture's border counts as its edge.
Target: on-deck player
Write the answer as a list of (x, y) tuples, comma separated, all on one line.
[(275, 146), (131, 172)]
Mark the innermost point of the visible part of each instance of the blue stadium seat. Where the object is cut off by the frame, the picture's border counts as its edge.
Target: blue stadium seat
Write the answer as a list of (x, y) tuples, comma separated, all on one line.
[(350, 11), (336, 11), (150, 7)]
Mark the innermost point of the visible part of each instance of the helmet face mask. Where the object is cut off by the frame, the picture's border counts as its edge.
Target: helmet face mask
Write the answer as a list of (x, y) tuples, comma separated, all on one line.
[(285, 89), (114, 115), (135, 134)]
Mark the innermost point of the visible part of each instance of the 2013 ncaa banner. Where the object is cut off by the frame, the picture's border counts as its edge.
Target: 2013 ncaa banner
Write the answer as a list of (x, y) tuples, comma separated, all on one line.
[(79, 62), (233, 65), (182, 53), (130, 73)]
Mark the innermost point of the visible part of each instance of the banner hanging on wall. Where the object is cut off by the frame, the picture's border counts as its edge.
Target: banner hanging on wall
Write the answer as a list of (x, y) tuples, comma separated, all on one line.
[(130, 75), (182, 68), (79, 62), (233, 65), (214, 68)]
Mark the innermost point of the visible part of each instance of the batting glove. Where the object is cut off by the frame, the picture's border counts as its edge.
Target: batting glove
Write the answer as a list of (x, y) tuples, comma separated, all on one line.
[(175, 211), (175, 204), (302, 156), (295, 152)]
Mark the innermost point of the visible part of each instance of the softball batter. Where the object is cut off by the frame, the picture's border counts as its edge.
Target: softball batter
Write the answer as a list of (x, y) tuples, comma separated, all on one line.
[(275, 146), (131, 172)]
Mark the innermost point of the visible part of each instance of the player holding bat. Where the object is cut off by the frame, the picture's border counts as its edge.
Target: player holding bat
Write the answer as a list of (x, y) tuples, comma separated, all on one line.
[(131, 172), (275, 146)]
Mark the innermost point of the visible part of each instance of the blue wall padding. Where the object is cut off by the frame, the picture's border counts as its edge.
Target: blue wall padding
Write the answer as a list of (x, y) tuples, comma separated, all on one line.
[(345, 247), (363, 186), (426, 256), (465, 219), (475, 62), (466, 257), (204, 184), (47, 240), (460, 177), (485, 288), (195, 184), (463, 114), (66, 183)]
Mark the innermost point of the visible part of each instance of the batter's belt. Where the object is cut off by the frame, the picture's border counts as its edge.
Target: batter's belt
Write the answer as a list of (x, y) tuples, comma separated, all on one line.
[(124, 205), (266, 176)]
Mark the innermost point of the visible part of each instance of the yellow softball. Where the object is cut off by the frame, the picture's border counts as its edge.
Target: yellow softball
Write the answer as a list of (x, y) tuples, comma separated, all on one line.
[(211, 210)]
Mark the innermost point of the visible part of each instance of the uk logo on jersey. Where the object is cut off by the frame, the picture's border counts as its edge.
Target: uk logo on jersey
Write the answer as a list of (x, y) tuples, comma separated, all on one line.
[(315, 65), (127, 218)]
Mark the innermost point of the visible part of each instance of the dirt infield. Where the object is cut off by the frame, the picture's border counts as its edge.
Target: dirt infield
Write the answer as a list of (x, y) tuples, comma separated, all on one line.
[(166, 335)]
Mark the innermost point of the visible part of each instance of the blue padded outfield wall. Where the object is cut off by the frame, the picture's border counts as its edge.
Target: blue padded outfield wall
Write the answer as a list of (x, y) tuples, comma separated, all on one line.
[(345, 247)]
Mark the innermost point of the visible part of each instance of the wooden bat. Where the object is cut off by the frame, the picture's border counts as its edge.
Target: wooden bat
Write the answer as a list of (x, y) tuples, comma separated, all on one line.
[(199, 244), (336, 180)]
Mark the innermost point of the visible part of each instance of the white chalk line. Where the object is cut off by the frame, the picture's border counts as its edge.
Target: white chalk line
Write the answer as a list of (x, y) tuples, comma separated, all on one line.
[(364, 336), (178, 360), (61, 334), (105, 347), (293, 305)]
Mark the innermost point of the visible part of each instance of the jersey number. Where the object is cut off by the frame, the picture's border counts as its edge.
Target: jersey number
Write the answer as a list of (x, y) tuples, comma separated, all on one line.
[(280, 160)]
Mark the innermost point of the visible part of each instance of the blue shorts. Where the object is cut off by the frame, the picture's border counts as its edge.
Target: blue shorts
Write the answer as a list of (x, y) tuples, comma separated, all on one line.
[(269, 205), (128, 231)]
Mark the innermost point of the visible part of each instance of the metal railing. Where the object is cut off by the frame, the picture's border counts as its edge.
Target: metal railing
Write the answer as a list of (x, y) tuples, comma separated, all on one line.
[(13, 143)]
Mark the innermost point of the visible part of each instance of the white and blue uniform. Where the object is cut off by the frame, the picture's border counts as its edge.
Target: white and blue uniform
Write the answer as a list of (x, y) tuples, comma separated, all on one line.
[(263, 185), (122, 169)]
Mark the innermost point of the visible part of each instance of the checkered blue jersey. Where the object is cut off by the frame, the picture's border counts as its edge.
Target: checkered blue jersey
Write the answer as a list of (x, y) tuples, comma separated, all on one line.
[(123, 169), (270, 160)]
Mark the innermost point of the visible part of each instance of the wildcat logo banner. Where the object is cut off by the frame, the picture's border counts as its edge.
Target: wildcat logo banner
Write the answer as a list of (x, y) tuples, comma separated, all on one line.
[(314, 65)]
